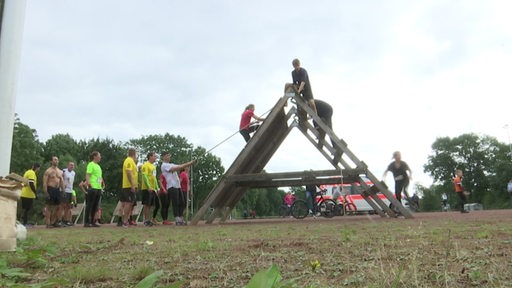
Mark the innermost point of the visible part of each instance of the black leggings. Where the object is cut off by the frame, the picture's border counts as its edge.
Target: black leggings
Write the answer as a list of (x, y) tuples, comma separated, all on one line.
[(178, 201), (156, 203), (92, 200), (26, 204), (463, 200), (399, 186), (247, 132), (166, 202)]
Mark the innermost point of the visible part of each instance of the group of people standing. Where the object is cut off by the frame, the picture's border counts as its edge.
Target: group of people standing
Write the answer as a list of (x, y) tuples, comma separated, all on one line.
[(60, 196), (59, 193), (160, 192)]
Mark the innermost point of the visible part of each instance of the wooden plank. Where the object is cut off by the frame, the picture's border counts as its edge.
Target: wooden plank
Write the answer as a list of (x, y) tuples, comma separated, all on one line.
[(294, 174), (288, 182), (373, 204)]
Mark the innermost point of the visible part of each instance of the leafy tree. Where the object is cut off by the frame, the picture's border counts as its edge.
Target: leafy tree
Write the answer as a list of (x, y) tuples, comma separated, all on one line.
[(483, 160), (177, 146), (265, 201), (26, 148), (62, 146), (205, 174), (431, 197)]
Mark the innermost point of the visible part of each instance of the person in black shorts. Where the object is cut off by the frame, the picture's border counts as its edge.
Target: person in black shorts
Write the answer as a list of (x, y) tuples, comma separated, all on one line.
[(401, 173), (53, 187)]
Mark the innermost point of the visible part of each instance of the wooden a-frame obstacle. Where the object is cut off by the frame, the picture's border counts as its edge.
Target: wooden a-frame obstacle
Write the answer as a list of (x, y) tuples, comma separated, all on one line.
[(246, 170)]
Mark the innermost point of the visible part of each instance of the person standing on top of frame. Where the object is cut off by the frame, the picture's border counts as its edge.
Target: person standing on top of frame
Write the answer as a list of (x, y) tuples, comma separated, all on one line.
[(301, 81)]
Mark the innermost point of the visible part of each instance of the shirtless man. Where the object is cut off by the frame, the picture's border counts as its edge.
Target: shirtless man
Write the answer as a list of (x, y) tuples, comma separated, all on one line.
[(53, 184)]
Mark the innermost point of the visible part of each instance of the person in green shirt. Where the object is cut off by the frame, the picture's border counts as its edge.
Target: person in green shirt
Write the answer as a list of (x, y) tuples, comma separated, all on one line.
[(94, 180)]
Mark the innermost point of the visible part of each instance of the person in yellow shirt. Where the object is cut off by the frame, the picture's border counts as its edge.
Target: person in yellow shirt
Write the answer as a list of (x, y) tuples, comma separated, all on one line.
[(28, 192), (128, 192), (149, 187)]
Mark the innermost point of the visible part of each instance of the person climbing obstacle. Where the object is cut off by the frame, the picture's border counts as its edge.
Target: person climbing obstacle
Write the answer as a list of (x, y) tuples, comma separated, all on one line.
[(245, 122), (324, 111)]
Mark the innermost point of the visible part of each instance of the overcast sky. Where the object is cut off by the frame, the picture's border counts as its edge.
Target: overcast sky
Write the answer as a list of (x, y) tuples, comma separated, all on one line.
[(398, 73)]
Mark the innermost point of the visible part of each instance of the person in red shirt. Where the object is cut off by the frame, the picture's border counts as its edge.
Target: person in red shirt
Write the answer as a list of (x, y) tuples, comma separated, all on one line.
[(185, 187), (245, 122), (459, 189), (165, 201)]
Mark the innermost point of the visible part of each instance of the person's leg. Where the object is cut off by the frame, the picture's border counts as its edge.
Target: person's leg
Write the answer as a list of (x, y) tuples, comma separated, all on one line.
[(156, 203), (97, 213), (126, 208), (68, 217), (26, 205), (164, 209), (173, 194), (181, 199), (88, 208), (61, 216), (399, 186), (95, 199), (246, 135), (253, 128), (146, 202), (309, 201), (463, 200), (127, 197), (46, 213)]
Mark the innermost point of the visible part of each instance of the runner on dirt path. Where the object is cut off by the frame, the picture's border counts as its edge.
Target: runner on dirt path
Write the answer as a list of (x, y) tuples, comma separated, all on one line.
[(459, 189)]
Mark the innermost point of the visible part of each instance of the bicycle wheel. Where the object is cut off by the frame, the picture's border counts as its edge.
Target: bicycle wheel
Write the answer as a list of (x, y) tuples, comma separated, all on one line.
[(326, 208), (350, 209), (283, 211), (300, 209)]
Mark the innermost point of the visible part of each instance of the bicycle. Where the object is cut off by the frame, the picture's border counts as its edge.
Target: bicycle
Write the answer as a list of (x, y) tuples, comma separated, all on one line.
[(345, 207), (326, 207)]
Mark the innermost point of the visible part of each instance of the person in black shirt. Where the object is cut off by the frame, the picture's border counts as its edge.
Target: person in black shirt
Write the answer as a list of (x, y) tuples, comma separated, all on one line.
[(399, 169), (324, 111), (301, 81)]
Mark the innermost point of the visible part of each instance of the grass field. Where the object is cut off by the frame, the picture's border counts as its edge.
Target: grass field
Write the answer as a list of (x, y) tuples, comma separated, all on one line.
[(433, 250)]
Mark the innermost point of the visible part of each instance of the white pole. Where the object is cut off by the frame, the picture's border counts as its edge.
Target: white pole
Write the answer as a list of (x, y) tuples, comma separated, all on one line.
[(11, 32)]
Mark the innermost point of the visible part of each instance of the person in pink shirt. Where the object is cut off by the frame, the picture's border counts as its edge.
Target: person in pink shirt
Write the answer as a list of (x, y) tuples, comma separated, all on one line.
[(245, 122), (185, 187), (289, 198)]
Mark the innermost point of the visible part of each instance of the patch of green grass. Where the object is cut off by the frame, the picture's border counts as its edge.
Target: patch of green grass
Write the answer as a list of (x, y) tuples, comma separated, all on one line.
[(89, 275), (362, 253)]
